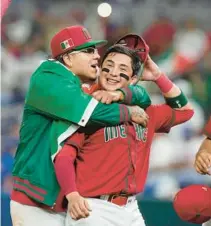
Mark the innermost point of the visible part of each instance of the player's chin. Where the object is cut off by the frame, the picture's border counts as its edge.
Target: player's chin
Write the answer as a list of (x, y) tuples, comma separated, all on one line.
[(110, 87), (92, 76)]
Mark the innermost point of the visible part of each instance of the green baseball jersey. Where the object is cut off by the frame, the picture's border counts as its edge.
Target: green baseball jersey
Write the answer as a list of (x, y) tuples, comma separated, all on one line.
[(55, 107)]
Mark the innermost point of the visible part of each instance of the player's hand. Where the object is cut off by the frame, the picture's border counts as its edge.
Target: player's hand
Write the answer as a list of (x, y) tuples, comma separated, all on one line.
[(78, 207), (151, 70), (107, 97), (203, 162), (138, 115)]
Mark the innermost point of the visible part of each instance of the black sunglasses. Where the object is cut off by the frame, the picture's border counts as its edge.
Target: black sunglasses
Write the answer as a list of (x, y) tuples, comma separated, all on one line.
[(90, 50)]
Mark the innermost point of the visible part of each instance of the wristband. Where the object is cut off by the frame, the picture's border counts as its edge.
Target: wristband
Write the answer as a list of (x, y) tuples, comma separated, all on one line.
[(177, 102), (164, 83), (127, 95)]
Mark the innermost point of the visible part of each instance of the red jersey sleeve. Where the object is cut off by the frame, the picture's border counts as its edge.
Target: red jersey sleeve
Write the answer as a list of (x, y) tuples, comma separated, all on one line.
[(64, 163), (207, 128), (164, 117)]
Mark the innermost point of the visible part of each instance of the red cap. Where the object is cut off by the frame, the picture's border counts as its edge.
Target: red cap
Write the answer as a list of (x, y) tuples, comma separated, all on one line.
[(193, 204), (137, 43), (73, 38)]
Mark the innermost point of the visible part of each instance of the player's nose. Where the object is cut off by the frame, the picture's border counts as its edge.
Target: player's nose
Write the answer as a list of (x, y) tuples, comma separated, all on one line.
[(114, 72), (96, 55)]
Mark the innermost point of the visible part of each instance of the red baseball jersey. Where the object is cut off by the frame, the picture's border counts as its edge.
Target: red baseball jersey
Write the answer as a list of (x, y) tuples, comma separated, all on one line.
[(114, 159), (207, 128)]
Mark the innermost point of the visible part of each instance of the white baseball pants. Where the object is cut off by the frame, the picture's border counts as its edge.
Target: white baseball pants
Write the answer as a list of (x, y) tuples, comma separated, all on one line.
[(208, 223), (23, 215), (108, 214)]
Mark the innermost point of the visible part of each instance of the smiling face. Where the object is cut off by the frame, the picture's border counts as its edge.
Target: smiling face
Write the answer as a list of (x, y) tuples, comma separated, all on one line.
[(116, 63)]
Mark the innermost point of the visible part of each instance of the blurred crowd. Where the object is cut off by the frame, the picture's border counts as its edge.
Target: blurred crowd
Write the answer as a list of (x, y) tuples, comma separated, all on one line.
[(180, 48)]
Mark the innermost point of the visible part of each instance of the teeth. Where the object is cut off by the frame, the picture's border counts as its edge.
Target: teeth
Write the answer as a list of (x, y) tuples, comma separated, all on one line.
[(112, 81)]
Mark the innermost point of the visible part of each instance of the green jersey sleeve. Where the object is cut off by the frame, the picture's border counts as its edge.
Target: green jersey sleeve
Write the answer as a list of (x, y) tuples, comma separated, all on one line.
[(136, 95), (62, 98)]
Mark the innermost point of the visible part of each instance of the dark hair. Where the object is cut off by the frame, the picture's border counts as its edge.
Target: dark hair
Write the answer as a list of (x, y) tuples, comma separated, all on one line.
[(118, 48), (60, 57)]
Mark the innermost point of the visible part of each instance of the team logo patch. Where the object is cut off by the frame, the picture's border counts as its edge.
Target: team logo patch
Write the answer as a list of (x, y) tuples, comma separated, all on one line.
[(67, 44), (86, 33)]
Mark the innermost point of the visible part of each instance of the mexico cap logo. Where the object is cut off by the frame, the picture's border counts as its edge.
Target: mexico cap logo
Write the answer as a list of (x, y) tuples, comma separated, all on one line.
[(67, 44)]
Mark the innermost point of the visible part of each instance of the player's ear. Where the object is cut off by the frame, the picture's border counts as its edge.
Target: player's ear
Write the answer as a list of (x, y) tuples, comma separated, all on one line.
[(134, 80), (67, 58)]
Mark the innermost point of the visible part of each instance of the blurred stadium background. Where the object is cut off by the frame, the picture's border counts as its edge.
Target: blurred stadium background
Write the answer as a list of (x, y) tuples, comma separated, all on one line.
[(179, 35)]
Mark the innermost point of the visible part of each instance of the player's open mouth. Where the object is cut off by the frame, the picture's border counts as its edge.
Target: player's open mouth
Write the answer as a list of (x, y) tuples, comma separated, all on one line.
[(112, 81), (94, 65)]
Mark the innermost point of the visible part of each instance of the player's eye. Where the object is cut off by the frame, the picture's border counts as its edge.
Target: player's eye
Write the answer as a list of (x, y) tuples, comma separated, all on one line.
[(123, 69), (90, 50)]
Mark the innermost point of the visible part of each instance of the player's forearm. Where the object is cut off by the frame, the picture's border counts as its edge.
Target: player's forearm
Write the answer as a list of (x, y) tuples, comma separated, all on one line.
[(65, 172), (136, 95), (175, 98), (112, 114), (206, 145), (63, 99), (182, 116), (203, 158)]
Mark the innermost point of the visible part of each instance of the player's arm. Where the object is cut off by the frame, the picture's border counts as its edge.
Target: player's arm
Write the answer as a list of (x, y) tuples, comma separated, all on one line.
[(63, 99), (203, 157), (135, 95), (174, 97), (164, 117), (78, 207)]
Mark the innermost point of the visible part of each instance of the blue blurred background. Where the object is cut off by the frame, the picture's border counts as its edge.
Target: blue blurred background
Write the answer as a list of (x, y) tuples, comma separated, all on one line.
[(179, 35)]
